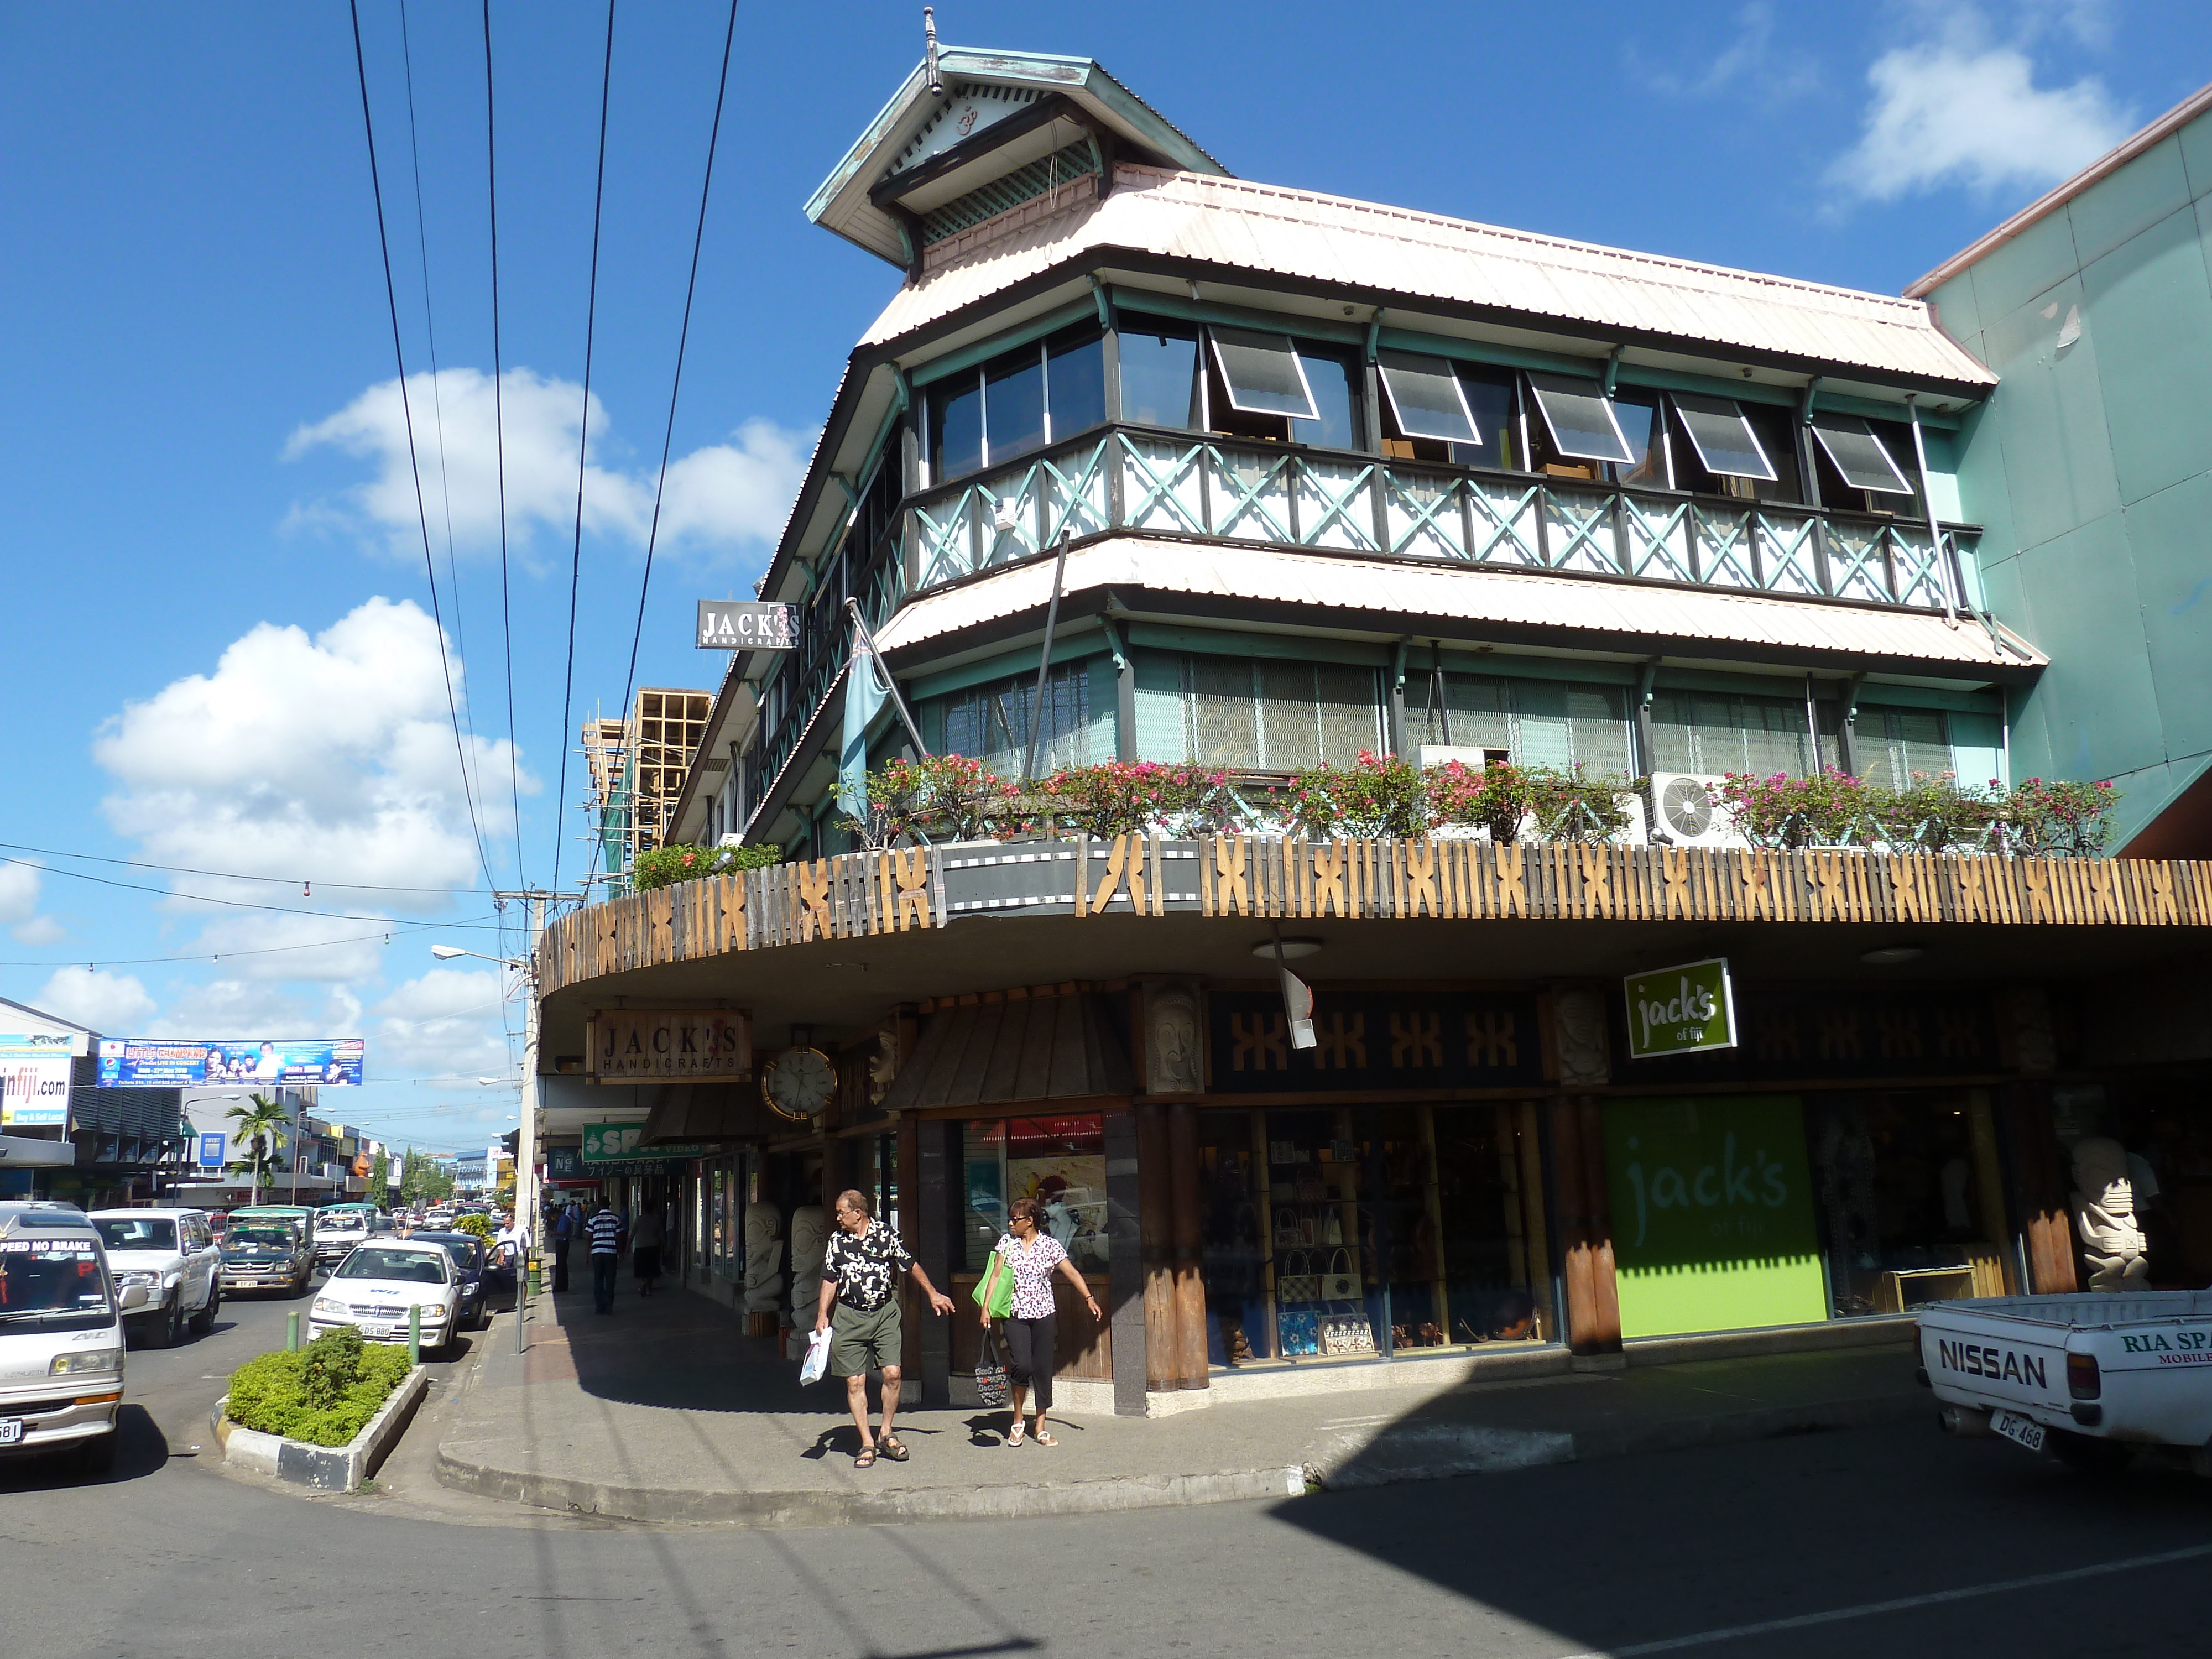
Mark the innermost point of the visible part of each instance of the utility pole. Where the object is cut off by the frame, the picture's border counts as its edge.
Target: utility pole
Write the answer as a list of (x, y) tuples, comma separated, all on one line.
[(525, 1139)]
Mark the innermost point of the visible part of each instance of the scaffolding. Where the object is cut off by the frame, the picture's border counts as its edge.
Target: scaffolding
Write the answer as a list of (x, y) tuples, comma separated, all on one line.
[(637, 766)]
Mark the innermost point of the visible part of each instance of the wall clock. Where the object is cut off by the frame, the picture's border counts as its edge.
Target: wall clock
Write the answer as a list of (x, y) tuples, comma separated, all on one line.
[(799, 1082)]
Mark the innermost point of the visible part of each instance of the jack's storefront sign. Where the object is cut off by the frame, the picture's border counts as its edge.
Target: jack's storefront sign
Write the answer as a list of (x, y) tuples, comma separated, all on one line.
[(678, 1045), (1681, 1011)]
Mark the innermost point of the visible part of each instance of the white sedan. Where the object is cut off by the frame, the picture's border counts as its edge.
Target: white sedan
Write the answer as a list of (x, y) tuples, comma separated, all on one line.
[(378, 1283)]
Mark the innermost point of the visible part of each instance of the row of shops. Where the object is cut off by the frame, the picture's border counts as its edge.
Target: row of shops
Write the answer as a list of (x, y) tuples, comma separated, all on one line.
[(1453, 1169)]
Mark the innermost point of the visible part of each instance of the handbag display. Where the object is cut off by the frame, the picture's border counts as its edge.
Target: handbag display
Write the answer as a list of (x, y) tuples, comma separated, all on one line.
[(1286, 1233), (1340, 1283), (1331, 1231), (1296, 1281), (1297, 1334), (1342, 1334), (991, 1386)]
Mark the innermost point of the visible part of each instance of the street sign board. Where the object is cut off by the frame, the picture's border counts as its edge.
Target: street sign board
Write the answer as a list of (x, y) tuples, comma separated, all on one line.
[(34, 1082), (617, 1143), (211, 1146), (1684, 1010), (688, 1045), (742, 625)]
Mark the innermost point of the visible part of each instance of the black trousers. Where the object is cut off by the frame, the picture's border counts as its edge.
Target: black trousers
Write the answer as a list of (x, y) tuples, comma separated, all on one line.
[(603, 1281), (559, 1264), (1029, 1358)]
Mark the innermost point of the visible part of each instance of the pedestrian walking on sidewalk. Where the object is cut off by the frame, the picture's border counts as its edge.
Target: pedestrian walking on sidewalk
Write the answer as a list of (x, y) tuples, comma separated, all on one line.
[(645, 1249), (604, 1230), (859, 1278), (564, 1234), (1032, 1255)]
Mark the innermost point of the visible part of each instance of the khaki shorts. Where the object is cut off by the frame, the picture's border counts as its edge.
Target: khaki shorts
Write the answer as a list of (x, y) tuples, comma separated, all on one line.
[(863, 1342)]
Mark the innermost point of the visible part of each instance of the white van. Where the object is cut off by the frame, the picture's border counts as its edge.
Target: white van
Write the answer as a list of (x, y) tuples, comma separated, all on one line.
[(61, 1337)]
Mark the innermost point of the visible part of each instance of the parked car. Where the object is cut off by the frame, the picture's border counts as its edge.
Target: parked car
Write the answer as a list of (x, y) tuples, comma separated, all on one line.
[(267, 1251), (375, 1286), (172, 1255), (472, 1259), (341, 1227), (61, 1337)]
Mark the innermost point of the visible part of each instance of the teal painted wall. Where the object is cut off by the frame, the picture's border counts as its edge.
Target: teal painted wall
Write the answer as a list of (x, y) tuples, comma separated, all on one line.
[(2091, 467)]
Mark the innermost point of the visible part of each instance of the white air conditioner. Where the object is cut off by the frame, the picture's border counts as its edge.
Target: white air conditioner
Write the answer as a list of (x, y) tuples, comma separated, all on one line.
[(1638, 830), (1443, 754), (1685, 813)]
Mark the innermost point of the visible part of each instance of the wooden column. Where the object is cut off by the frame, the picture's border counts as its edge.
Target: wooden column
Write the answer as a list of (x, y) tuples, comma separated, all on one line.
[(1125, 1249), (906, 1175), (1989, 1184), (2040, 1182), (940, 1196), (1162, 1347), (1593, 1311), (1189, 1240), (1532, 1219)]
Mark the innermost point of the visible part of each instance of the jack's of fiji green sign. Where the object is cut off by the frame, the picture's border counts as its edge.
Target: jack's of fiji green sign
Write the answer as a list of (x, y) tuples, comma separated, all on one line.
[(1680, 1010)]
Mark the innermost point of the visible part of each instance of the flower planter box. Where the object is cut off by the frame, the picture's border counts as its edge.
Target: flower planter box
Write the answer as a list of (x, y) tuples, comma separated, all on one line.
[(325, 1469)]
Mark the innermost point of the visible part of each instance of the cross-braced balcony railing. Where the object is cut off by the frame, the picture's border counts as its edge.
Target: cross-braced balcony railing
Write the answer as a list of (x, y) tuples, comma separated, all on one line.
[(1153, 482)]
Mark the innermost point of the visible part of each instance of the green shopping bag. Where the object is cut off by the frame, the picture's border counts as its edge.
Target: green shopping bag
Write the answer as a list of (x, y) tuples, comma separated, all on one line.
[(994, 1291)]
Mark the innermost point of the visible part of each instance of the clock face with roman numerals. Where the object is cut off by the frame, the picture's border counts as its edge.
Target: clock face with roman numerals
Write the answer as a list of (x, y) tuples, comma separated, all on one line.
[(799, 1083)]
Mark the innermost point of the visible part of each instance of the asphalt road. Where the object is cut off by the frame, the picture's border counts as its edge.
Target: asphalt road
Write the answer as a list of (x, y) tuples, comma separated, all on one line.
[(1891, 1540)]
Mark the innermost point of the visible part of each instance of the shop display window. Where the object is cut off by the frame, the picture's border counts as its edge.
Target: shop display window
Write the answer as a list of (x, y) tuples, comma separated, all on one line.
[(1910, 1198), (1346, 1233), (1061, 1161)]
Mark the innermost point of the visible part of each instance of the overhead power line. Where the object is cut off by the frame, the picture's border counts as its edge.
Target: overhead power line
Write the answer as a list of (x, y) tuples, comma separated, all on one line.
[(194, 898), (422, 517), (225, 875), (583, 448), (682, 337), (499, 437), (430, 332)]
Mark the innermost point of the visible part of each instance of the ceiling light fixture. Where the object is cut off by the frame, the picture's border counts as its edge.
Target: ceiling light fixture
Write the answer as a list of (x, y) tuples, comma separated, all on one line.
[(1292, 949), (1892, 956)]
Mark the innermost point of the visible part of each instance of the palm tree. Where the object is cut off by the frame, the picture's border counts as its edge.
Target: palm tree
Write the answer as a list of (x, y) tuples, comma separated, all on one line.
[(258, 1130)]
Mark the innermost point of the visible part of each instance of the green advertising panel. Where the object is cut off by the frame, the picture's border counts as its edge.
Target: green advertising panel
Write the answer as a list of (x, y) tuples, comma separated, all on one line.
[(1680, 1010), (618, 1143), (1712, 1214)]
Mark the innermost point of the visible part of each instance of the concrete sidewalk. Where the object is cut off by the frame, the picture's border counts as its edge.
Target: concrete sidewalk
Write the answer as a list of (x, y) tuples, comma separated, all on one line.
[(666, 1412)]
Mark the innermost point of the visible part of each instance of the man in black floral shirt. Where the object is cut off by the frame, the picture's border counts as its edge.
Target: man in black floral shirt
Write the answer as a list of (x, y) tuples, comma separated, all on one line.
[(860, 1277)]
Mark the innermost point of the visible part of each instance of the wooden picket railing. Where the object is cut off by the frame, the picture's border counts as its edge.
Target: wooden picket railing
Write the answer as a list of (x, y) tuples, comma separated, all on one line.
[(861, 895)]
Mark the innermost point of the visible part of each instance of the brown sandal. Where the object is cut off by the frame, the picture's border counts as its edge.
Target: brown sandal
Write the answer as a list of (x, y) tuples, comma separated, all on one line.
[(893, 1449), (865, 1459)]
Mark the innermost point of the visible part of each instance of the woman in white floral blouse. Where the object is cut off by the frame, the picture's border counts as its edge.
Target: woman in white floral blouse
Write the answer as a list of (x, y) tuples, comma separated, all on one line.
[(1032, 1255)]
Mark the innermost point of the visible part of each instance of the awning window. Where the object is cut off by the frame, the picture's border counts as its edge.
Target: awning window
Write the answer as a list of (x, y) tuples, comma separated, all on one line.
[(1427, 398), (1859, 455), (1580, 418), (1723, 438), (1263, 373)]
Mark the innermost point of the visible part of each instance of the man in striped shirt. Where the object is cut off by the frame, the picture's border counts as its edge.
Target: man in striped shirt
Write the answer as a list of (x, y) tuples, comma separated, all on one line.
[(604, 1230)]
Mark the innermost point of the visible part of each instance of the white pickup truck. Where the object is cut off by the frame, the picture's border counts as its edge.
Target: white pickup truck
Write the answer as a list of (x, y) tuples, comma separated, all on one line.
[(2092, 1379)]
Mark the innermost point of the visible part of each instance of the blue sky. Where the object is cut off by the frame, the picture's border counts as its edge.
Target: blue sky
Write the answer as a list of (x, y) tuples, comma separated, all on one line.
[(218, 655)]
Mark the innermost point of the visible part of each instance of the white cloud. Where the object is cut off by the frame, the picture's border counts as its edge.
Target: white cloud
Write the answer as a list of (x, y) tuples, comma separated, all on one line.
[(331, 756), (724, 495), (1752, 62), (1960, 108), (113, 1004), (19, 907), (241, 1008), (446, 1023)]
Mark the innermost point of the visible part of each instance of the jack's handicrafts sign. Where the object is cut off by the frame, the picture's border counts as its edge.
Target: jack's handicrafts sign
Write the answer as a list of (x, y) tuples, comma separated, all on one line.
[(746, 625), (679, 1045), (1685, 1010)]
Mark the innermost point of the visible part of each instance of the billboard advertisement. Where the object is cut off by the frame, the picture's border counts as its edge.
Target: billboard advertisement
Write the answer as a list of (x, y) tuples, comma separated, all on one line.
[(186, 1063), (34, 1082)]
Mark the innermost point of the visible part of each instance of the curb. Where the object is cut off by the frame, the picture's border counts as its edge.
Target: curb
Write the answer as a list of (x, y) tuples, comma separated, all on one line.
[(1515, 1450), (325, 1469)]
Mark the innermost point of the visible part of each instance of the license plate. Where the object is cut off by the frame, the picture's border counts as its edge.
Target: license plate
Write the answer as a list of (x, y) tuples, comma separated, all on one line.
[(375, 1332), (2020, 1430), (11, 1430)]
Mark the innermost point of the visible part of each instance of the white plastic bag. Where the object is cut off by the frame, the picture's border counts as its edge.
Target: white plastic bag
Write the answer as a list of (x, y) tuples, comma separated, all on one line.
[(816, 1366)]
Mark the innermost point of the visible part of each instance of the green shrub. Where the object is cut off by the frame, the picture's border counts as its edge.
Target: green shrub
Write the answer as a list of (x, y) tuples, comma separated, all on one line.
[(323, 1394), (479, 1225), (663, 866)]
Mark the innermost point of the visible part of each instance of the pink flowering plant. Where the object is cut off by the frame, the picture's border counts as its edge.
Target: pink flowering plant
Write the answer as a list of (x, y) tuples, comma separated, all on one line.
[(2045, 819), (1123, 797), (1380, 795), (1933, 813), (1831, 808), (938, 798), (663, 866)]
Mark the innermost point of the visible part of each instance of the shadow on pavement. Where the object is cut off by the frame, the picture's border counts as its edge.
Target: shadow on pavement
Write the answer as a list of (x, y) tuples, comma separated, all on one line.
[(141, 1450)]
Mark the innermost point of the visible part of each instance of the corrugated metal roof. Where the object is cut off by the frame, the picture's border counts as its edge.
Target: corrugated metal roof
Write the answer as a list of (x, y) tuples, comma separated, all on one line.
[(1510, 598), (1335, 240)]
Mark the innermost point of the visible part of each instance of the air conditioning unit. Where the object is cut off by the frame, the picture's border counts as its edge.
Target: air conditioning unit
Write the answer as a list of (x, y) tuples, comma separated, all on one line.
[(1443, 754), (1638, 831), (1684, 813)]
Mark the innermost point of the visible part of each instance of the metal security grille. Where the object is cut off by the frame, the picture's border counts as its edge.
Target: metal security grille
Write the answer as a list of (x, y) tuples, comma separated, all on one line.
[(1022, 185), (1263, 715), (1536, 722)]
